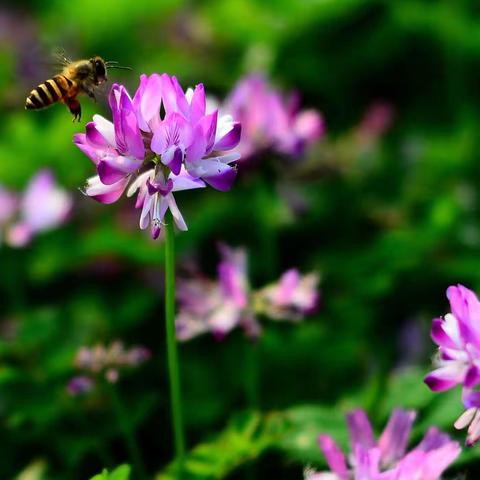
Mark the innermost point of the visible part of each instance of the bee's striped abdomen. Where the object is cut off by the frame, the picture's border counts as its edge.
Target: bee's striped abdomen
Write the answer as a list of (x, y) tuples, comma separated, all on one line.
[(49, 92)]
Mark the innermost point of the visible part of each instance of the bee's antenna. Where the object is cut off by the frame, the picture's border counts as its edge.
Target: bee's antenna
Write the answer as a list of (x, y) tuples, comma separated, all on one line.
[(119, 67), (114, 64)]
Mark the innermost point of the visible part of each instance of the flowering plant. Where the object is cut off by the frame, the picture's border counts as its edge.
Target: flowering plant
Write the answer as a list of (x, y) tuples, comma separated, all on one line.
[(458, 360), (154, 155), (386, 459)]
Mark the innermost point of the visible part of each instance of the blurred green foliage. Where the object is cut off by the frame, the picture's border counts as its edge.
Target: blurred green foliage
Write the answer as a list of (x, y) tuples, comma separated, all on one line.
[(388, 227)]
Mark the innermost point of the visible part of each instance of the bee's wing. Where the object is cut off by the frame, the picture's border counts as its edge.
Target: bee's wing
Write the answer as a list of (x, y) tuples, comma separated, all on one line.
[(60, 57)]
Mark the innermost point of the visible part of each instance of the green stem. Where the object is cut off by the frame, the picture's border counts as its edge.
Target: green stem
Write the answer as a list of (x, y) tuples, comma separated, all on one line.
[(172, 352), (128, 434), (252, 374), (16, 281)]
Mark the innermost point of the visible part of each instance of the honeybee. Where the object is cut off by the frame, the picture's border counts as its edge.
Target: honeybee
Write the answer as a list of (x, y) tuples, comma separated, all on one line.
[(79, 77)]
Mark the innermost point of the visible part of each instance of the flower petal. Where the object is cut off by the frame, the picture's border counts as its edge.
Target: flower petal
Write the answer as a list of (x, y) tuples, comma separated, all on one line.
[(465, 418), (146, 212), (108, 173), (177, 215), (394, 439), (231, 138), (366, 462), (44, 204), (105, 128), (360, 430), (197, 147), (334, 456), (446, 377), (472, 377), (172, 158), (80, 140), (94, 137), (208, 125), (470, 398), (105, 193), (197, 104), (184, 181), (446, 333), (147, 100), (466, 308)]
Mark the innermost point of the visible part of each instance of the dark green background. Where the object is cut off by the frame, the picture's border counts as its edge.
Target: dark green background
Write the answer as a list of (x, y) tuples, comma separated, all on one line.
[(388, 228)]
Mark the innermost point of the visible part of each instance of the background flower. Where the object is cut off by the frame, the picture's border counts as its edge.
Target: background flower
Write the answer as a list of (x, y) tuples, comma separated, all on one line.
[(42, 206), (387, 458), (269, 120), (220, 306)]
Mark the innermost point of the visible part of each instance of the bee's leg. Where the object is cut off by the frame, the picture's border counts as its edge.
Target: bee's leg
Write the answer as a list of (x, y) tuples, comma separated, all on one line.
[(90, 92), (75, 109)]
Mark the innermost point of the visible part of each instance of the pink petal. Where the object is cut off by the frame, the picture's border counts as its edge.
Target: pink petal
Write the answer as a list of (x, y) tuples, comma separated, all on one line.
[(394, 439), (147, 100), (223, 181), (198, 146), (444, 378), (95, 138), (108, 173), (231, 139), (80, 140), (198, 104), (472, 377), (105, 193), (445, 332), (360, 430), (184, 181), (334, 456)]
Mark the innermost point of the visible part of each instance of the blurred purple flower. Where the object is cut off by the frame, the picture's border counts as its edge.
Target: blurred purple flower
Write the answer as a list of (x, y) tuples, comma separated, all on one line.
[(376, 121), (43, 206), (79, 385), (185, 149), (217, 307), (8, 207), (387, 459), (458, 361), (220, 306), (269, 121), (292, 297), (105, 362)]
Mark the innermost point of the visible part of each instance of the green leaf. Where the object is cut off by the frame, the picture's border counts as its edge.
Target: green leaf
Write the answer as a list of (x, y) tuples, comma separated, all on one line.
[(304, 424), (120, 473), (34, 471), (407, 390), (244, 439)]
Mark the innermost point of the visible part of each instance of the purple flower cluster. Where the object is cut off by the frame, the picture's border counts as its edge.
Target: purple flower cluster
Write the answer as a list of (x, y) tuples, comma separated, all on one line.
[(376, 121), (269, 121), (104, 362), (41, 207), (219, 306), (387, 458), (457, 335), (156, 154)]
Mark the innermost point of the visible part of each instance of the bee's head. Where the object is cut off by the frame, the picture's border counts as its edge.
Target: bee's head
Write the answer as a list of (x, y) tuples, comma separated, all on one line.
[(99, 70)]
